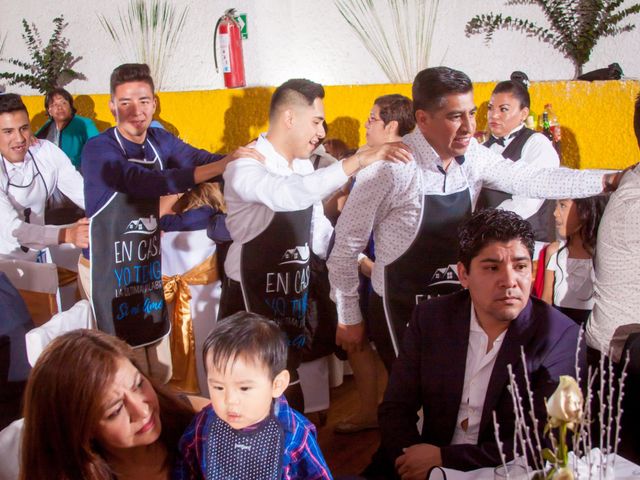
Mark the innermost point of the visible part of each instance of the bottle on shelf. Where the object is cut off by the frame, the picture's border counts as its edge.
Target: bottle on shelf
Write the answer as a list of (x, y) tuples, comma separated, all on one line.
[(550, 127)]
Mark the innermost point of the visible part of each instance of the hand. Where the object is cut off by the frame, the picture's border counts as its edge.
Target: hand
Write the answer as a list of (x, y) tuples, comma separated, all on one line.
[(245, 152), (396, 152), (78, 234), (417, 460), (350, 337), (366, 266), (610, 181)]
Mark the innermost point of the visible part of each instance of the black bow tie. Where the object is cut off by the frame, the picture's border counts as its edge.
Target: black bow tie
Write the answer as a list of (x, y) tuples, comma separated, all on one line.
[(500, 140)]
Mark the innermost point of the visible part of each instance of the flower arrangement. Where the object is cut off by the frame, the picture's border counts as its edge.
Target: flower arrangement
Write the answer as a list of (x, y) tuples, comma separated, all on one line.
[(569, 412)]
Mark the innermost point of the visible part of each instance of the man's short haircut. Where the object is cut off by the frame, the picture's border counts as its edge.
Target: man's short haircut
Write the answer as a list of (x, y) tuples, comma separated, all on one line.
[(295, 91), (432, 85), (11, 102), (48, 98), (249, 336), (131, 72), (488, 226), (399, 108), (636, 119)]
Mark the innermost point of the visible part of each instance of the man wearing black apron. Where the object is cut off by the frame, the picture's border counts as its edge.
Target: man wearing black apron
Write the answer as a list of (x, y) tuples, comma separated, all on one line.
[(414, 210), (276, 219), (126, 170)]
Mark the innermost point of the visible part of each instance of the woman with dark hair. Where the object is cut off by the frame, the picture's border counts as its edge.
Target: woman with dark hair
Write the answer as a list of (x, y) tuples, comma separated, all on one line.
[(91, 414), (569, 274), (507, 111), (64, 128)]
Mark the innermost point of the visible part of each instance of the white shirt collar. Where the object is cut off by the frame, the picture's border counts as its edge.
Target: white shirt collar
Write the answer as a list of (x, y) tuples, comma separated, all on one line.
[(477, 328)]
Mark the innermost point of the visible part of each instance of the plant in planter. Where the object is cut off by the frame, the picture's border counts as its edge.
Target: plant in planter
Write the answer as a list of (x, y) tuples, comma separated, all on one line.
[(147, 32), (51, 65), (575, 25)]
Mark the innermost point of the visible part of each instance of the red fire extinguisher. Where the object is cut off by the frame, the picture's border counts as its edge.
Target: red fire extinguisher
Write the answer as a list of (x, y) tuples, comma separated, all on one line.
[(228, 30)]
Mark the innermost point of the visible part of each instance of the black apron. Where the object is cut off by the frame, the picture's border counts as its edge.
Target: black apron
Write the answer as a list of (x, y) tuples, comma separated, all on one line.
[(126, 269), (275, 272), (428, 267), (240, 454), (542, 221)]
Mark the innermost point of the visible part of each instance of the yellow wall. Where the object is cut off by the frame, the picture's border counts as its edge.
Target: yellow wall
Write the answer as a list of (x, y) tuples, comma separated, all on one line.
[(596, 118)]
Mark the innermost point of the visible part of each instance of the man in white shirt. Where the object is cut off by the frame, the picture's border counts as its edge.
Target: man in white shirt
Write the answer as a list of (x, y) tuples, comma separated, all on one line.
[(275, 215), (414, 210), (453, 362), (615, 313), (31, 171)]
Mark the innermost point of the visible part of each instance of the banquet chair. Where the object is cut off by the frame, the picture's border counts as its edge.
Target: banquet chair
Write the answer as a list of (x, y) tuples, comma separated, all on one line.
[(78, 316), (10, 441), (192, 293), (37, 284)]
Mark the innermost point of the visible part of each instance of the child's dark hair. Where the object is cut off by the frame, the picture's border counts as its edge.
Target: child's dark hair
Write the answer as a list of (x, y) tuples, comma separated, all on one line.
[(250, 336), (589, 211)]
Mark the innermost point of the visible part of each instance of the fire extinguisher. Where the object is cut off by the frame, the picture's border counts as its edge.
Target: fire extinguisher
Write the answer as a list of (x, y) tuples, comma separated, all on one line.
[(230, 50)]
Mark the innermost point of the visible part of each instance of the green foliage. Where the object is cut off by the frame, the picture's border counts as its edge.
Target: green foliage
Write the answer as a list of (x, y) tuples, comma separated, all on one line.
[(575, 25), (51, 65), (147, 32)]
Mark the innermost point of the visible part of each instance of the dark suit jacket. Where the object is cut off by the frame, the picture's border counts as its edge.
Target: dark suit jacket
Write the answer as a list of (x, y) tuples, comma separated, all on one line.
[(429, 373)]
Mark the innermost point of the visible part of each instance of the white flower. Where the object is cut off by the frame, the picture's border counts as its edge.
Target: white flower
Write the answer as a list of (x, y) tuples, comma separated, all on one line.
[(565, 405)]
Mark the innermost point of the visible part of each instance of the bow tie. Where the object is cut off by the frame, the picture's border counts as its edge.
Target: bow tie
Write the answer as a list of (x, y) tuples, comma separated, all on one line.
[(500, 140)]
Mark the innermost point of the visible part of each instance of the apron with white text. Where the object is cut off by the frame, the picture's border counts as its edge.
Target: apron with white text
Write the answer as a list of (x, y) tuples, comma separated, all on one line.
[(428, 267), (275, 272), (126, 270)]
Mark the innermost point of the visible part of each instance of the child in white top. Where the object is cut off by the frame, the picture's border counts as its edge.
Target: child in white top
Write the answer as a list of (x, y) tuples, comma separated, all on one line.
[(569, 273)]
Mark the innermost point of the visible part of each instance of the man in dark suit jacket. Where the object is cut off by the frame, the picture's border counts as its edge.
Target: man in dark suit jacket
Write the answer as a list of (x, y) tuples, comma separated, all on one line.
[(455, 354)]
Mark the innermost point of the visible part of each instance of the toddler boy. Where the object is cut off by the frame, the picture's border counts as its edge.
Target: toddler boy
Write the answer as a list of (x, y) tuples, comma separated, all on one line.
[(249, 431)]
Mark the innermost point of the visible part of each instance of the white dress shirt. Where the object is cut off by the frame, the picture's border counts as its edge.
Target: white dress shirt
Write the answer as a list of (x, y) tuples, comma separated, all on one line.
[(617, 302), (44, 168), (253, 191), (477, 374), (387, 199)]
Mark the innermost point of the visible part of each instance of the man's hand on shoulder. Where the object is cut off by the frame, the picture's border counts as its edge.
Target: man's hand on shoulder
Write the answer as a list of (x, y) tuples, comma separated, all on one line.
[(78, 234), (417, 460), (610, 181), (245, 152), (350, 337), (396, 152)]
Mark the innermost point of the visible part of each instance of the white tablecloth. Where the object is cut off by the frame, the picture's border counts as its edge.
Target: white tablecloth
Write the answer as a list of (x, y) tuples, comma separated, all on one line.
[(625, 470)]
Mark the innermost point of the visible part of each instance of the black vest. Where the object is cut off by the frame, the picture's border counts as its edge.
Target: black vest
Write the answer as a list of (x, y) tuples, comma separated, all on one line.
[(542, 221)]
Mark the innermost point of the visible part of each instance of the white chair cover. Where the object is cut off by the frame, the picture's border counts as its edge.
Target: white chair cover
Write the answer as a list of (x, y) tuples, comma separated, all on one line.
[(66, 256), (181, 251), (78, 316), (314, 380), (10, 441)]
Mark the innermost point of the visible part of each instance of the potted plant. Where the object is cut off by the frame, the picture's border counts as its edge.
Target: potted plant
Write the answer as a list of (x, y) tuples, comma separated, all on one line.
[(51, 66)]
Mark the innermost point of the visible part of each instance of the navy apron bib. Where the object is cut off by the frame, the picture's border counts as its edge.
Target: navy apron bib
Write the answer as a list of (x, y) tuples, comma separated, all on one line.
[(542, 221), (241, 455), (428, 267), (275, 271), (126, 270)]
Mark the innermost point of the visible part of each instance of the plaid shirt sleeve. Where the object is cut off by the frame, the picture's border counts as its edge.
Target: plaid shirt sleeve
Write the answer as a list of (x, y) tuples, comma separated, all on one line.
[(302, 457), (190, 464)]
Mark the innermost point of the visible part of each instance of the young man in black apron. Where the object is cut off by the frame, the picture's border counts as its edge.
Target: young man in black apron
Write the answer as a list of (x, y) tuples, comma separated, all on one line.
[(126, 170), (414, 210), (275, 216)]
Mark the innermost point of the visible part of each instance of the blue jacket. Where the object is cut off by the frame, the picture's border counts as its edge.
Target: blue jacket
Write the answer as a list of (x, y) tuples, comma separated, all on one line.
[(429, 373), (73, 136)]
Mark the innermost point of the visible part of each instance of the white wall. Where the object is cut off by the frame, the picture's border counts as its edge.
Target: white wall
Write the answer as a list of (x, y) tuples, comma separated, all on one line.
[(304, 38)]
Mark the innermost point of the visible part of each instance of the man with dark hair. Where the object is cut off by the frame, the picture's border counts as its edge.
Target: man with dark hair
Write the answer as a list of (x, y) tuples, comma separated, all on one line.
[(31, 171), (454, 358), (414, 210), (126, 170), (64, 128), (275, 215)]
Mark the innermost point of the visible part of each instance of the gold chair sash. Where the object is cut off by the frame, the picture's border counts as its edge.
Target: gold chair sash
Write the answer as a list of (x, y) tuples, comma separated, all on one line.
[(42, 306), (66, 276), (183, 347)]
